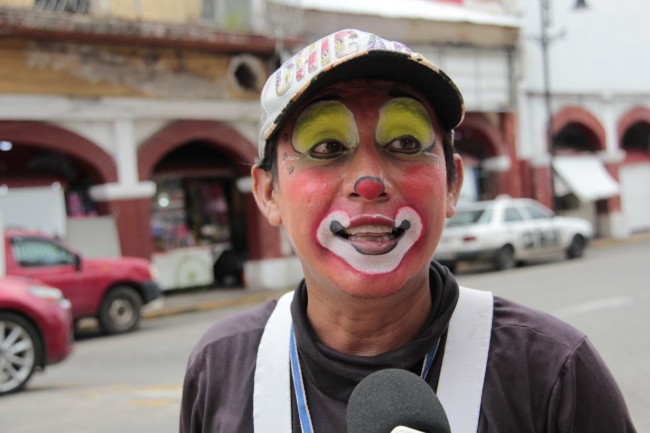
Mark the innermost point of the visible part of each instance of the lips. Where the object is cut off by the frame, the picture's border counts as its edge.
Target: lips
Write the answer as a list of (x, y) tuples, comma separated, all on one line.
[(373, 238)]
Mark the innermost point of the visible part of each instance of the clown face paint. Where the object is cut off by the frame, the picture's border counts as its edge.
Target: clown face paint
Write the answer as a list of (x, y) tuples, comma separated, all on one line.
[(363, 194), (372, 244), (404, 128), (324, 130)]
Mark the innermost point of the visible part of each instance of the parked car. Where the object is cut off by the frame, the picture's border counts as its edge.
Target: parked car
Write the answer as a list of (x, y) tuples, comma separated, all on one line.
[(35, 330), (111, 289), (507, 231)]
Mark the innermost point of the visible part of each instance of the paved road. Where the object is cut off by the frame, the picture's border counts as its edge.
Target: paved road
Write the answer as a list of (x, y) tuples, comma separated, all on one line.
[(132, 383)]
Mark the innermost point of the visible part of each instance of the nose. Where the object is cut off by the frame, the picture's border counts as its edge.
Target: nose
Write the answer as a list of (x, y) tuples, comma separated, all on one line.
[(366, 174), (369, 187)]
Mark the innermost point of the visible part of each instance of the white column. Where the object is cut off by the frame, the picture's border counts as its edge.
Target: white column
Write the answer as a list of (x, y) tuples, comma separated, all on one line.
[(128, 186)]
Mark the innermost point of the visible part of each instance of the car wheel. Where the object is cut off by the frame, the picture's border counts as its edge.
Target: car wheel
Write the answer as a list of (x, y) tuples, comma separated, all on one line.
[(504, 258), (120, 311), (20, 352), (576, 248)]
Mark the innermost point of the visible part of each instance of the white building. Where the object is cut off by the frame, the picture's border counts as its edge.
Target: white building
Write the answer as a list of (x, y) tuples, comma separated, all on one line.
[(600, 106)]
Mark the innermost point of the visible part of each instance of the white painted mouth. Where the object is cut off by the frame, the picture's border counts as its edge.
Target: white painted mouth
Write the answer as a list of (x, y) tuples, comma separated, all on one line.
[(370, 248)]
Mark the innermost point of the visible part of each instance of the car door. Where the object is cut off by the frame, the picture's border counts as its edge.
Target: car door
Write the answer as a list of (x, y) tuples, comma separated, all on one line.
[(544, 233), (519, 230), (46, 260)]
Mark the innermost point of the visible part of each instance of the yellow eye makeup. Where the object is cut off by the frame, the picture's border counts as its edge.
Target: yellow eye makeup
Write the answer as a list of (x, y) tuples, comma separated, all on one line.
[(324, 125), (407, 120)]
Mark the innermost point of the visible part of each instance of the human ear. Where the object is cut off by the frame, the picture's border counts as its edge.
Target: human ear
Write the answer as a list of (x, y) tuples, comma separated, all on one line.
[(263, 191), (453, 189)]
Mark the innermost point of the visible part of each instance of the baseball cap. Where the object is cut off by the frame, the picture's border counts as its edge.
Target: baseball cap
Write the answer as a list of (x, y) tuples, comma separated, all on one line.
[(349, 54)]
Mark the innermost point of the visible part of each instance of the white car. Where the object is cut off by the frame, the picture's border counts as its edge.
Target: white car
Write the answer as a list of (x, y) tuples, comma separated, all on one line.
[(507, 231)]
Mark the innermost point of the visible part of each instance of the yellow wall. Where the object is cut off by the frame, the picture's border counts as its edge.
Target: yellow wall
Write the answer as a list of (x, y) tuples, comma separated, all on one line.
[(151, 10), (93, 71), (155, 10), (17, 3)]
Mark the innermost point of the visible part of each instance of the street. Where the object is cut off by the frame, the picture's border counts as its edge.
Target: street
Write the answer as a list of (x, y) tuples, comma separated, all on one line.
[(132, 383)]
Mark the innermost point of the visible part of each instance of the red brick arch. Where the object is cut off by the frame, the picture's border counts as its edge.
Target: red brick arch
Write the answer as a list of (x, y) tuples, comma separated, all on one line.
[(579, 115), (635, 115), (263, 240), (488, 133), (56, 138), (179, 133)]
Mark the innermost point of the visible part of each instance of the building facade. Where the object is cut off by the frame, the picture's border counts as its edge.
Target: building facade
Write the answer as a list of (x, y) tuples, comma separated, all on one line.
[(145, 114), (590, 119)]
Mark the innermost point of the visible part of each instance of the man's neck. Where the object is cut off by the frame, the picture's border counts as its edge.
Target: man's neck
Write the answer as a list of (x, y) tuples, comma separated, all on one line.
[(367, 327)]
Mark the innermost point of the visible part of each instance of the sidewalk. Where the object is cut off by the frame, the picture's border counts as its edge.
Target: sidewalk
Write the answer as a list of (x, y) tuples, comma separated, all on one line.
[(179, 302)]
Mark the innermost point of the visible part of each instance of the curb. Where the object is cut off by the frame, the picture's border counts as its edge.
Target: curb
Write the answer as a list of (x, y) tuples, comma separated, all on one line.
[(231, 300), (610, 241)]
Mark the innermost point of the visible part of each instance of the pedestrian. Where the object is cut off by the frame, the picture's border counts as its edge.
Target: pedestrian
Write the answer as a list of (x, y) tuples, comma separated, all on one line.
[(357, 165)]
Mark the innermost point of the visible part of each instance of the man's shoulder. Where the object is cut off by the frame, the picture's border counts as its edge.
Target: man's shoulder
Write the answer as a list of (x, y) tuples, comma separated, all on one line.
[(238, 332), (514, 319)]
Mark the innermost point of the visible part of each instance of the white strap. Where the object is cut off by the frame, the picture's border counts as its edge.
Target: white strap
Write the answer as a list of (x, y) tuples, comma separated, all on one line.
[(460, 385), (272, 392)]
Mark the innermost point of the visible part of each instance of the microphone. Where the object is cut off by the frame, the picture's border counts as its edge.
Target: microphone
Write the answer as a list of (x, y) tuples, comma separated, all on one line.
[(395, 401)]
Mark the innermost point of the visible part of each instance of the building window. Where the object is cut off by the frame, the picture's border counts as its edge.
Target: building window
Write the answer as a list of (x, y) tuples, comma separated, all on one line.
[(72, 6), (227, 14)]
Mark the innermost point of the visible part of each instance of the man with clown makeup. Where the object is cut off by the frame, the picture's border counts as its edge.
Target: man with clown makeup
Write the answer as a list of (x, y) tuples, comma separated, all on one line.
[(357, 164)]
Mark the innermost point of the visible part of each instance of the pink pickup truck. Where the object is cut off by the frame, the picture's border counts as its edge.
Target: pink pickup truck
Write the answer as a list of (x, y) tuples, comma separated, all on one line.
[(113, 289)]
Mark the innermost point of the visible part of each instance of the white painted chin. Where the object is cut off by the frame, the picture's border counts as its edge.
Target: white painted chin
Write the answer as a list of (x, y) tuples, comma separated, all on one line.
[(375, 262)]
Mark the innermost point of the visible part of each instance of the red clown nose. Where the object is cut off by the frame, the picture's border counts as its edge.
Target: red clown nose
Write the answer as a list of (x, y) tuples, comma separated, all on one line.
[(369, 187)]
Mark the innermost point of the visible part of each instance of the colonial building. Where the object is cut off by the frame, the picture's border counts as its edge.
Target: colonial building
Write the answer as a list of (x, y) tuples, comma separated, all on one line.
[(144, 114), (589, 116)]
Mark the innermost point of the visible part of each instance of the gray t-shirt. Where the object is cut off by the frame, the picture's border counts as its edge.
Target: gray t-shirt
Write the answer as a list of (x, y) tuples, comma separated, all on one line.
[(542, 374)]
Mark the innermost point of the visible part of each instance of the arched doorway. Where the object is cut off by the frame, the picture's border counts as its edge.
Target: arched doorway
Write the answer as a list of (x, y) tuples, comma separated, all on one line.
[(478, 142), (42, 155), (200, 207), (582, 184)]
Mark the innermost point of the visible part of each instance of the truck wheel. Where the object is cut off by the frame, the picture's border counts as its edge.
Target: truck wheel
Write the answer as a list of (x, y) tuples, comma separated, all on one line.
[(20, 352), (504, 258), (120, 310)]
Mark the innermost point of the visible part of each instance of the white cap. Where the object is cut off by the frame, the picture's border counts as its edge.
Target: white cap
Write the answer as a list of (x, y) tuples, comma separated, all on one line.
[(349, 54)]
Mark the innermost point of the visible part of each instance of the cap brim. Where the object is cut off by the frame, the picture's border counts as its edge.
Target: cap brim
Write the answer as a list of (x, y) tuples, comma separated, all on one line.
[(435, 86)]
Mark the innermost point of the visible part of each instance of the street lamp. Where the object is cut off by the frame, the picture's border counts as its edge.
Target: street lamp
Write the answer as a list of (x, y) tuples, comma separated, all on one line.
[(545, 40)]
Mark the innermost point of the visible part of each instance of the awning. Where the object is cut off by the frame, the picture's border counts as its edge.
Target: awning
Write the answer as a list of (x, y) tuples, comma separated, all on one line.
[(585, 176)]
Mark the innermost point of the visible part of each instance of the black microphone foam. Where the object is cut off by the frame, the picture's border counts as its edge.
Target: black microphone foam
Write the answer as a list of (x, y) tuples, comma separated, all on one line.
[(393, 397)]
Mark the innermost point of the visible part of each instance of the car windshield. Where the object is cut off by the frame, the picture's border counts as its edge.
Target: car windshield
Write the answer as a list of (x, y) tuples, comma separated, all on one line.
[(469, 216)]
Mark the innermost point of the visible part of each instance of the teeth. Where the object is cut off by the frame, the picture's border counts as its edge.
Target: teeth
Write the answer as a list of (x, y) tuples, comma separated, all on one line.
[(369, 229), (384, 238)]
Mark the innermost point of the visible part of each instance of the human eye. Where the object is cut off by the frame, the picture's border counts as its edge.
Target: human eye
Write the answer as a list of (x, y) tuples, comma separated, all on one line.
[(404, 128), (328, 149), (406, 145)]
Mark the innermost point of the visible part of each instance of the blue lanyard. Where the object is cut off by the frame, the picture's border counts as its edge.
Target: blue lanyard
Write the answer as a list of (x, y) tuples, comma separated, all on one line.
[(299, 386)]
